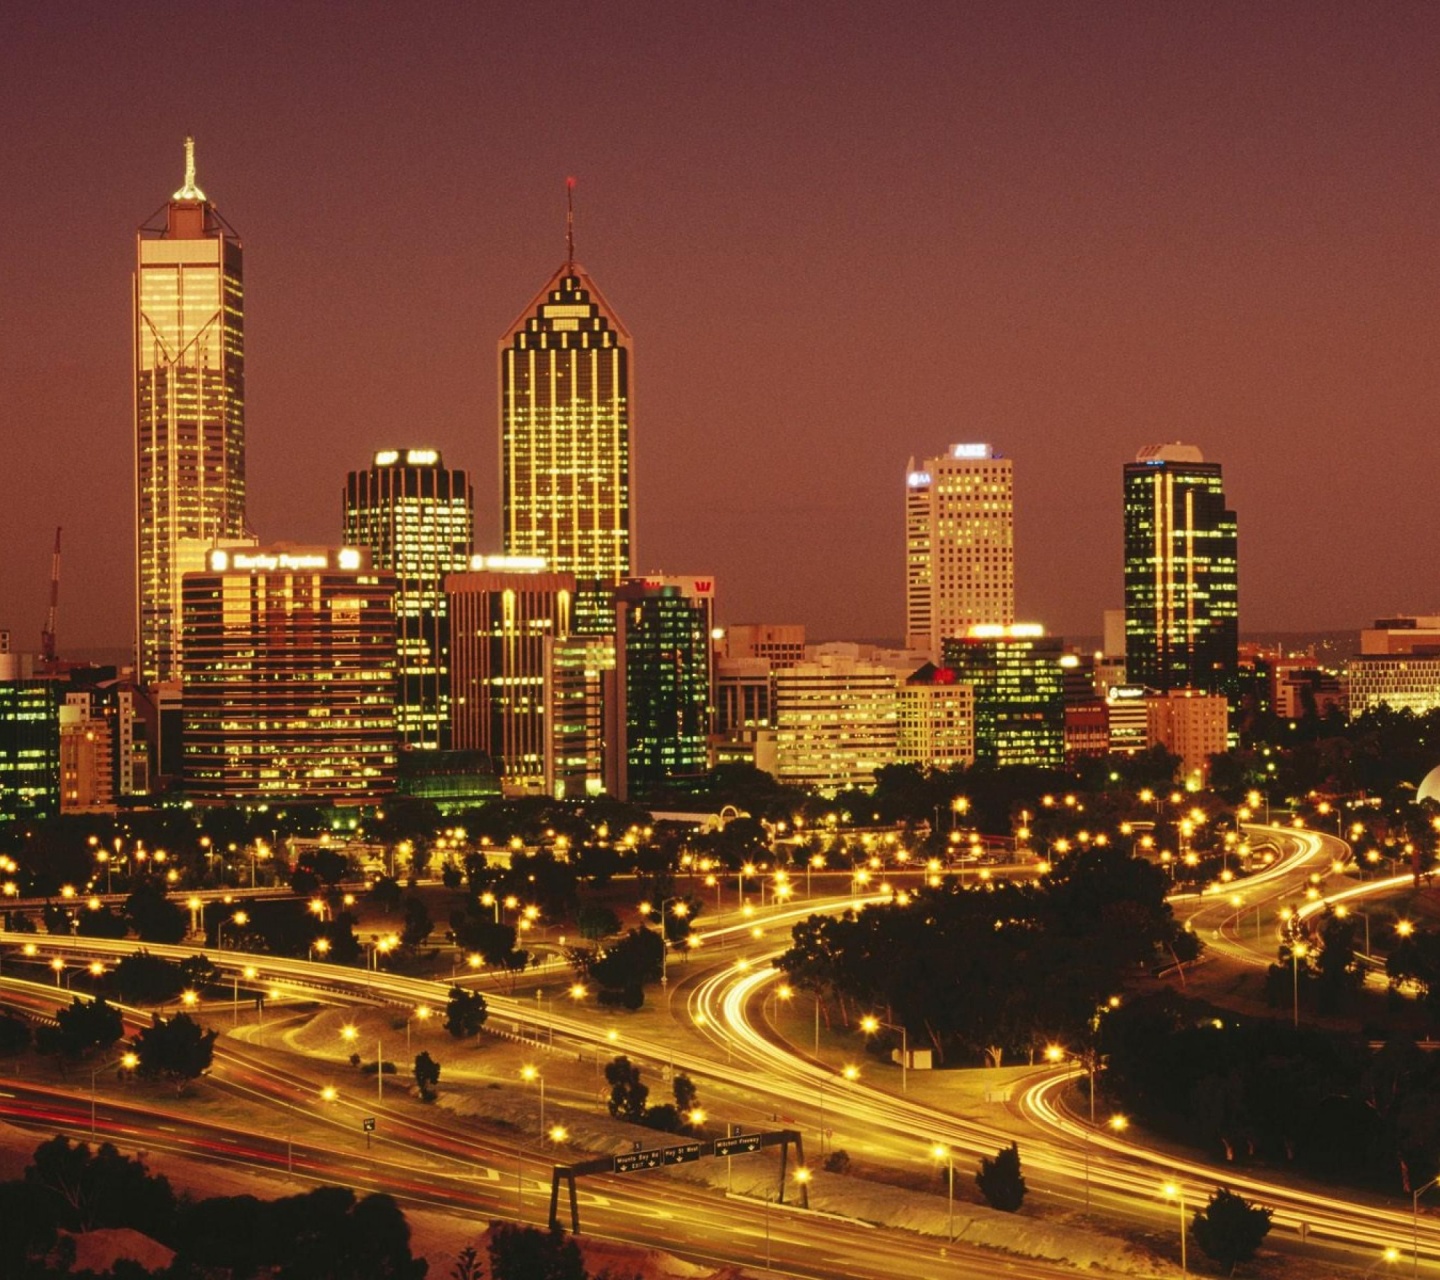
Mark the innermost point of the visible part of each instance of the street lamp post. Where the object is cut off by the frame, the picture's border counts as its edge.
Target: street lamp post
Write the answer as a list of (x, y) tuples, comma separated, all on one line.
[(680, 913), (533, 1073), (941, 1152), (250, 973), (129, 1061), (870, 1024), (1297, 951), (422, 1012), (1415, 1224), (1176, 1191), (1119, 1124)]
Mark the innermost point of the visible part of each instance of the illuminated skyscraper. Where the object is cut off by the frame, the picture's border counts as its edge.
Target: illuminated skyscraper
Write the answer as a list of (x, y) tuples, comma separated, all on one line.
[(565, 430), (417, 518), (959, 545), (289, 676), (657, 703), (507, 619), (1019, 681), (189, 409), (1181, 579)]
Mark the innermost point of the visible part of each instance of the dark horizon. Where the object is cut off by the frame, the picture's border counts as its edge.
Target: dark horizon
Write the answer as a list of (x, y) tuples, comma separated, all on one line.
[(1068, 231)]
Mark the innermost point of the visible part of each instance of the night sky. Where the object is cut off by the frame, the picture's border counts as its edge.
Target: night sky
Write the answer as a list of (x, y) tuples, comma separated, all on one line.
[(841, 235)]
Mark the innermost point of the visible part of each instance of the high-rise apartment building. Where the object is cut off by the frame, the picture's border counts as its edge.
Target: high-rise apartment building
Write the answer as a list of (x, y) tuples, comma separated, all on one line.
[(289, 676), (189, 409), (1182, 588), (959, 545), (565, 430), (1019, 692), (416, 516)]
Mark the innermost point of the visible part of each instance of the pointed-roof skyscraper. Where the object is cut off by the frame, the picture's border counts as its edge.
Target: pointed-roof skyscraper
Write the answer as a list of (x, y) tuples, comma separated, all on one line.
[(565, 428), (189, 409)]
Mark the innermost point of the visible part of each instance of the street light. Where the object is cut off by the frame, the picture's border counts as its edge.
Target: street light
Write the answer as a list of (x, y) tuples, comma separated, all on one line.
[(127, 1061), (250, 973), (681, 911), (1119, 1124), (942, 1152), (870, 1024), (1176, 1191), (1415, 1224), (241, 918), (422, 1012), (533, 1073), (1297, 951)]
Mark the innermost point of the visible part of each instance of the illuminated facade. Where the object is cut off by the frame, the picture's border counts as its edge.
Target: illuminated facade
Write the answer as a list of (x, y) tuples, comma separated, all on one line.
[(936, 720), (289, 676), (1191, 725), (29, 748), (506, 623), (658, 703), (417, 518), (837, 718), (565, 431), (189, 410), (1182, 588), (1019, 693), (959, 545)]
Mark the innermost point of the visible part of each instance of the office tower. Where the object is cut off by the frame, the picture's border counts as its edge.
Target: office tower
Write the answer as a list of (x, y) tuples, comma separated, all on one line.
[(959, 545), (416, 516), (29, 748), (658, 698), (289, 676), (189, 409), (506, 621), (1019, 692), (1181, 580), (936, 720), (1189, 724), (565, 430), (837, 718)]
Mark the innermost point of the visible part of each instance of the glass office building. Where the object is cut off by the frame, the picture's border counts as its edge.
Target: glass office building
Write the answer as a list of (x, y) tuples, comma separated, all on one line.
[(1182, 589), (416, 516)]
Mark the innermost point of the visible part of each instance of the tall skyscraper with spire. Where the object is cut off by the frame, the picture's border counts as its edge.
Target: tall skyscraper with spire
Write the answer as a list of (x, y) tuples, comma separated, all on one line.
[(565, 427), (189, 409)]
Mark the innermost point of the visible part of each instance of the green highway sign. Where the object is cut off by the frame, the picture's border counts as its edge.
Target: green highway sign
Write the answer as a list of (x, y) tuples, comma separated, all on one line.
[(741, 1146), (635, 1160)]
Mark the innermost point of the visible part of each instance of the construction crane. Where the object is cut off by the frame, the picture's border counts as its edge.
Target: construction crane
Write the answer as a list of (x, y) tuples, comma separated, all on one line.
[(47, 637)]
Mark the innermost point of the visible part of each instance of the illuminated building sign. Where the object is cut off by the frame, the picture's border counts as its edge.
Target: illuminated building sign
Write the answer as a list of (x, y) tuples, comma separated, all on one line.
[(221, 561), (918, 479), (509, 564), (969, 450)]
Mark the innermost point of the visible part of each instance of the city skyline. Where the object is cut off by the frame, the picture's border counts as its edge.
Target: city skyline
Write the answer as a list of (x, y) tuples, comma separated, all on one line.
[(1228, 244)]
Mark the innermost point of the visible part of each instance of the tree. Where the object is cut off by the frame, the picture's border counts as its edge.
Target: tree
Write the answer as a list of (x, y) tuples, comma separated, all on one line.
[(1229, 1229), (385, 893), (154, 917), (427, 1076), (174, 1048), (142, 978), (527, 1253), (14, 1034), (83, 1026), (1000, 1180), (597, 921), (465, 1013), (418, 924), (627, 1094), (101, 1188)]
